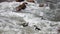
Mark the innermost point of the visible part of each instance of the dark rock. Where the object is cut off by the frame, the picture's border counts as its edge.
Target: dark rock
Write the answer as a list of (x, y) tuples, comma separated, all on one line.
[(31, 1), (19, 0), (58, 30), (20, 7)]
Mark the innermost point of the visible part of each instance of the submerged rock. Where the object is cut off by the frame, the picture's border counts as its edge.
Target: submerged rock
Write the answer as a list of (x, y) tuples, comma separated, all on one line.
[(41, 5)]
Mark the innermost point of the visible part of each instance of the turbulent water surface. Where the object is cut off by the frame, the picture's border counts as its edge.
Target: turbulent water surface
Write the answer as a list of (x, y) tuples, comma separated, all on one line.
[(28, 21)]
